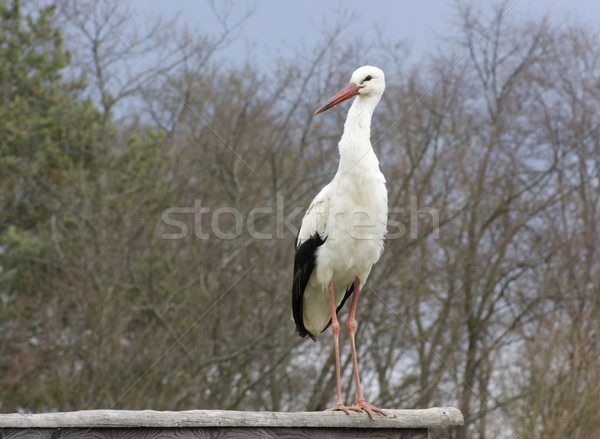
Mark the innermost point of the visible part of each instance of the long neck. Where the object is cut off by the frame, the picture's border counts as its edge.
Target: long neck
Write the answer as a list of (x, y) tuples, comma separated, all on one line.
[(355, 144)]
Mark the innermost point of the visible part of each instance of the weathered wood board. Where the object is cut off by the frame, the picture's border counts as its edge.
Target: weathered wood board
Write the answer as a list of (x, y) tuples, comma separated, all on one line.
[(102, 424)]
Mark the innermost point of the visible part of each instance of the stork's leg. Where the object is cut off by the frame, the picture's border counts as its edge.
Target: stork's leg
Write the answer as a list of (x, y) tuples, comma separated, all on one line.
[(360, 403), (335, 329)]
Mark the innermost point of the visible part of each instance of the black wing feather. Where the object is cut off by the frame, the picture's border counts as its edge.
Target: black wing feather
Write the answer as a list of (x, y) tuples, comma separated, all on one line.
[(304, 264)]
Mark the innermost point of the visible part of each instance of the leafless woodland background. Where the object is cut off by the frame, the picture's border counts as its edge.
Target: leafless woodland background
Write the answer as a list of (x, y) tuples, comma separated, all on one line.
[(496, 312)]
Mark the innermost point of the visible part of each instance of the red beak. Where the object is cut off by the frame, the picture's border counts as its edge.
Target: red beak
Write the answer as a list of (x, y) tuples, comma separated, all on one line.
[(345, 93)]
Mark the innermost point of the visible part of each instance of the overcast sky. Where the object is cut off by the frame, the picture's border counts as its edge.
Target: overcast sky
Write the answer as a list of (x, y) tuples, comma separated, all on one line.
[(273, 24)]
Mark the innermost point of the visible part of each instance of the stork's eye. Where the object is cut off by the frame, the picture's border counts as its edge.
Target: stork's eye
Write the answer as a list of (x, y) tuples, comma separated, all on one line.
[(368, 78)]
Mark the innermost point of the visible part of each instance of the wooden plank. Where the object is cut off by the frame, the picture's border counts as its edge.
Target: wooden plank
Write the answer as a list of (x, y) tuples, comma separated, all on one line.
[(214, 432), (421, 418)]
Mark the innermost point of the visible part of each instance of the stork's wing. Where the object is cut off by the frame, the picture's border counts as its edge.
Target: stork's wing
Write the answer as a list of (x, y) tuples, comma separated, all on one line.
[(311, 236), (315, 217), (304, 264)]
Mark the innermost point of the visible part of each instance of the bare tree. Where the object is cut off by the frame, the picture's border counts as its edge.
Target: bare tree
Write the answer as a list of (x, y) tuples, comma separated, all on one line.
[(486, 295)]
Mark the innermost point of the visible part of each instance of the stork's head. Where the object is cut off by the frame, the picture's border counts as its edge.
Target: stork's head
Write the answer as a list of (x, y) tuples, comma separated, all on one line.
[(367, 81)]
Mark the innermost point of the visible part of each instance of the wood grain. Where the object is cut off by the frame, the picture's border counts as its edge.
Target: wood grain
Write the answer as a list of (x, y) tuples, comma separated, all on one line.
[(213, 433), (219, 424), (421, 418)]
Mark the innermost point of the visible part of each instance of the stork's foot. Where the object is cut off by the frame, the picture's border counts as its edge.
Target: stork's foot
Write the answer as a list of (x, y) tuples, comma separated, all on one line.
[(361, 405), (339, 407)]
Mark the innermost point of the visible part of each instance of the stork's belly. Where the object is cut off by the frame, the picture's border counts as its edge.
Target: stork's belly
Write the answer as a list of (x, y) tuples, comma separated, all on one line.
[(356, 261), (343, 261), (355, 228)]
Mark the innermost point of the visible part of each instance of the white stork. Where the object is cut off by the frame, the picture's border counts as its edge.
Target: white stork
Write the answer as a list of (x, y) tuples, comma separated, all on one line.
[(342, 232)]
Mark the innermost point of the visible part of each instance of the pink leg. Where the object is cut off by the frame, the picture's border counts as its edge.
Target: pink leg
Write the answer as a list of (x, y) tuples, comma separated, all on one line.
[(360, 403), (335, 329)]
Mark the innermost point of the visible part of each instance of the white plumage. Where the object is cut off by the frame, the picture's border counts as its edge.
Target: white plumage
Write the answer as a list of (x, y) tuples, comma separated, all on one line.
[(343, 230)]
